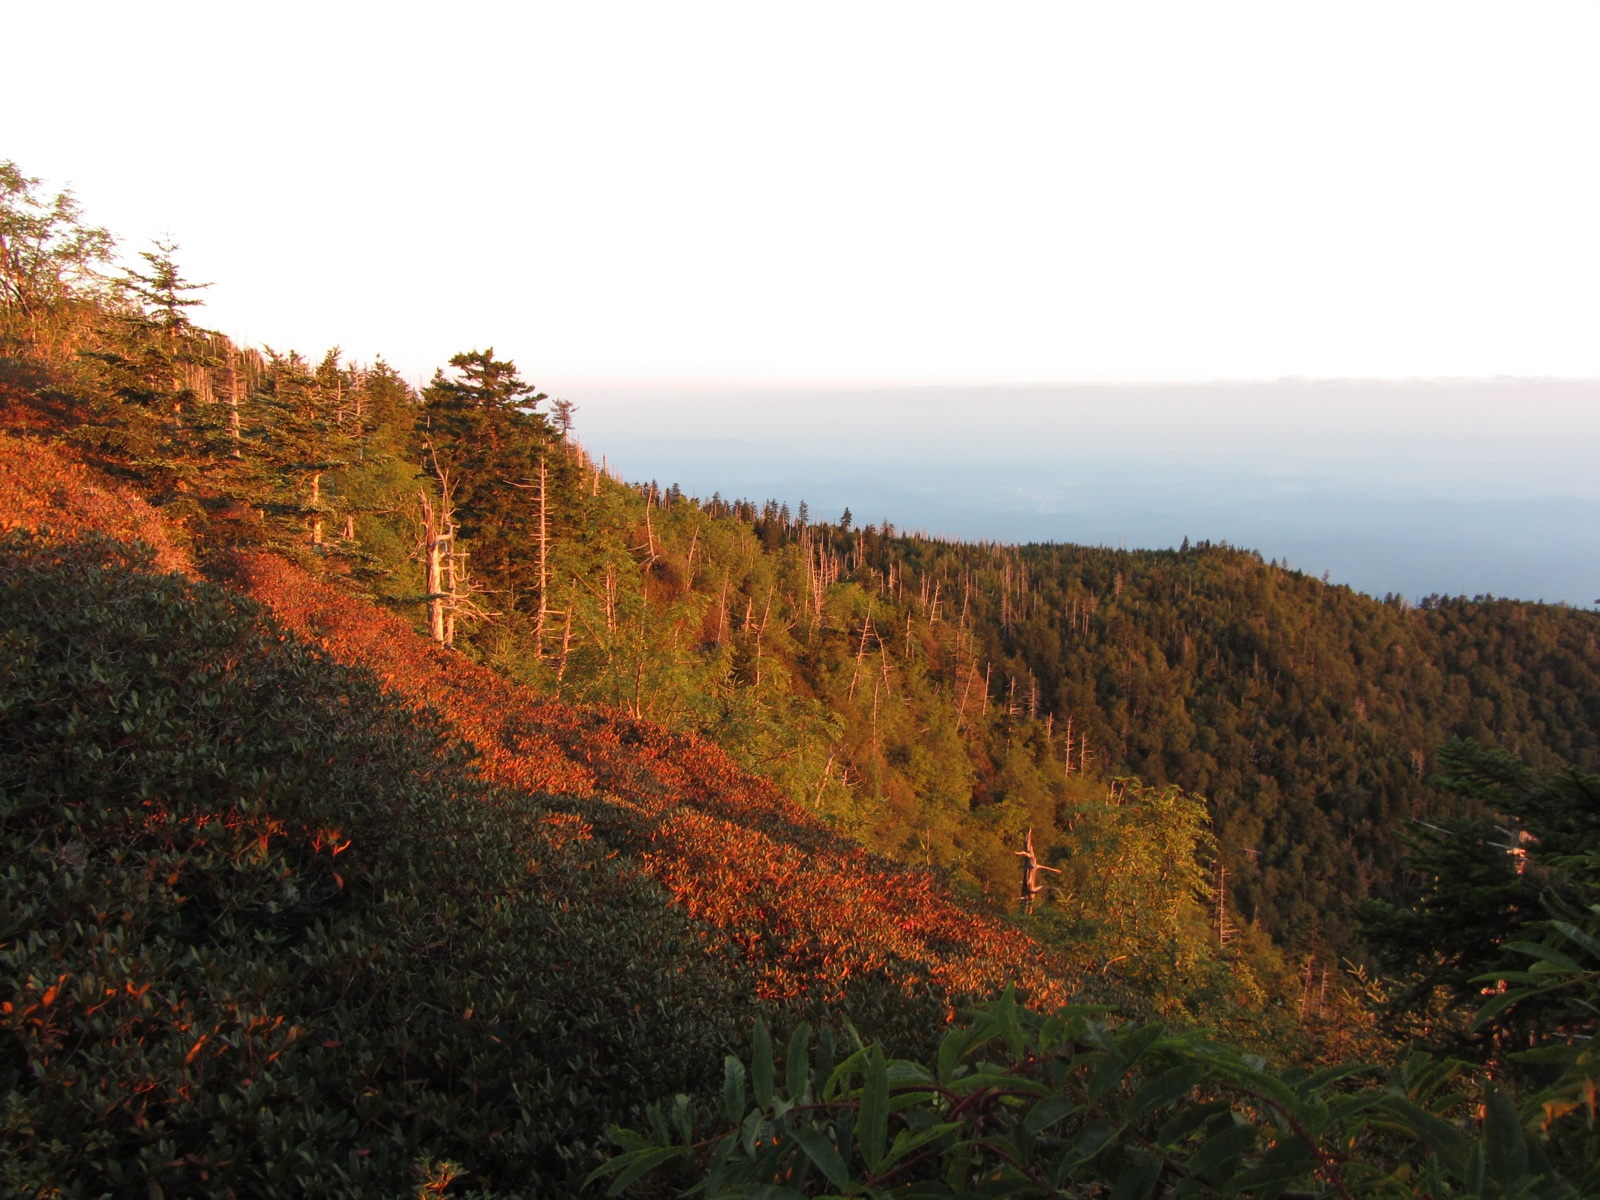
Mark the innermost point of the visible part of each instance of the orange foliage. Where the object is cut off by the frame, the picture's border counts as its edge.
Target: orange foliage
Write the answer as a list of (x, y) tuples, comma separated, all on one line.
[(810, 911), (807, 909), (40, 489)]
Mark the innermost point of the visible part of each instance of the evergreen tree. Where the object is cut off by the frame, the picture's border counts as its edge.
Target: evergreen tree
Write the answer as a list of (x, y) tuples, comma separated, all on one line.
[(1483, 884), (483, 425), (302, 443)]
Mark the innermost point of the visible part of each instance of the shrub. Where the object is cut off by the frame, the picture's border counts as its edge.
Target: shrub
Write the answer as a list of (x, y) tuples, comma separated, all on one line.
[(264, 930)]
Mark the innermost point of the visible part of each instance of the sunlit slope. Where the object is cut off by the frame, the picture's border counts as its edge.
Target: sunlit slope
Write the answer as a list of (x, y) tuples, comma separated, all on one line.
[(811, 910), (42, 490), (812, 913)]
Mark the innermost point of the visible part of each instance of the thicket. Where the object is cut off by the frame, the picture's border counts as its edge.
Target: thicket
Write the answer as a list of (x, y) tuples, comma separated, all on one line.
[(263, 929), (1025, 1104), (934, 700)]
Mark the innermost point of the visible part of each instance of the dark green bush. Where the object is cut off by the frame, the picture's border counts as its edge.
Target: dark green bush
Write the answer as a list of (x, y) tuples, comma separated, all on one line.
[(1019, 1104), (263, 931)]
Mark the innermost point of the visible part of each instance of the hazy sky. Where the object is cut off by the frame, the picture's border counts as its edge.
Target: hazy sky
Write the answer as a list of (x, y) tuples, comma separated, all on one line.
[(779, 209), (1413, 488), (903, 191)]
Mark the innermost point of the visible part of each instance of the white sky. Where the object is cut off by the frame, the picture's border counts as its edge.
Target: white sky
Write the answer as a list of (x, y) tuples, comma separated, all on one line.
[(851, 191)]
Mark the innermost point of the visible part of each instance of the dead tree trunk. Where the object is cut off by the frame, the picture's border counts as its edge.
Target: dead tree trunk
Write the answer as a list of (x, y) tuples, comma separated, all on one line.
[(233, 398), (1031, 866), (435, 549), (544, 574)]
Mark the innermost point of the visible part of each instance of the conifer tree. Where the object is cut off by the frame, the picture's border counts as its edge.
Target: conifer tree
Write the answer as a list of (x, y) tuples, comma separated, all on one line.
[(483, 424), (151, 373), (303, 443)]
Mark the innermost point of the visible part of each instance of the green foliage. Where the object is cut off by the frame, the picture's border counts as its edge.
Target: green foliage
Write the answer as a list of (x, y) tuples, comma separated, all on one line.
[(934, 698), (1485, 887), (1018, 1103), (51, 266), (1557, 995), (481, 429), (263, 930)]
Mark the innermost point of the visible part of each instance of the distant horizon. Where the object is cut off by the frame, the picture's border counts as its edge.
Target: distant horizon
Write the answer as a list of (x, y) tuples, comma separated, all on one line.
[(1448, 487), (879, 210)]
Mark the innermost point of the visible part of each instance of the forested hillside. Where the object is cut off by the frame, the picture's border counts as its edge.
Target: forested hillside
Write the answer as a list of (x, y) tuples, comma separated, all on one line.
[(933, 699), (378, 739)]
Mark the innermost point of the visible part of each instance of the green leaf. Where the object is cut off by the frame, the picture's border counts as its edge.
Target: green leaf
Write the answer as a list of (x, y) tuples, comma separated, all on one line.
[(1107, 1075), (1474, 1172), (823, 1152), (761, 1066), (903, 1100), (1187, 1120), (733, 1088), (1571, 931), (1093, 1138), (1134, 1042), (954, 1047), (1165, 1089), (751, 1131), (1548, 954), (1345, 1107), (1547, 1056), (1001, 1080), (838, 1082), (797, 1067), (1047, 1113), (1503, 1143), (902, 1072), (872, 1129), (683, 1117), (1004, 1012), (906, 1141), (632, 1165), (1138, 1178), (1442, 1138), (1220, 1153), (1320, 1079), (1268, 1179)]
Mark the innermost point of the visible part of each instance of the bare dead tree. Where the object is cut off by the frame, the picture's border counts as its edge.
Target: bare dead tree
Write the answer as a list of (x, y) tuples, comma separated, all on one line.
[(1031, 866), (449, 585), (542, 548), (1225, 931), (861, 652)]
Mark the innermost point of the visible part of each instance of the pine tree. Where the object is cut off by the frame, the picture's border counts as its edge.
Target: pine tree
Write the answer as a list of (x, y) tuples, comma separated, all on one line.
[(302, 443), (483, 424)]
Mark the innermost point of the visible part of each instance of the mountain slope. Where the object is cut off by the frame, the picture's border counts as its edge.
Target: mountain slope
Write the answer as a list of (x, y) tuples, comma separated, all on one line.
[(812, 908), (398, 912), (739, 855)]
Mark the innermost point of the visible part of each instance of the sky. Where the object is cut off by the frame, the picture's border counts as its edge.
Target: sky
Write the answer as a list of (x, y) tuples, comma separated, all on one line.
[(778, 208), (1449, 487)]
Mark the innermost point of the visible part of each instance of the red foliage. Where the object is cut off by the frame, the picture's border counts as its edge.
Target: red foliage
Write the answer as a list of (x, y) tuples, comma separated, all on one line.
[(40, 489), (808, 909)]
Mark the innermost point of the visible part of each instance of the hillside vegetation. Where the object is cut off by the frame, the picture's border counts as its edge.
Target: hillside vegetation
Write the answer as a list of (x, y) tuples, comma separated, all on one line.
[(931, 699), (394, 798)]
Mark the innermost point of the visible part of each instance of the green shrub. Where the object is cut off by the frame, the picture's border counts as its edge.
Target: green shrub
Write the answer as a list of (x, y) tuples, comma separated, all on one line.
[(1021, 1104), (263, 931)]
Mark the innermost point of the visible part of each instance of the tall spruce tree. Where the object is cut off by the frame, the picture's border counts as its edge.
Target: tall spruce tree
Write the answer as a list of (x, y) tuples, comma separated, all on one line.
[(304, 443), (483, 424)]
